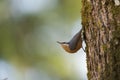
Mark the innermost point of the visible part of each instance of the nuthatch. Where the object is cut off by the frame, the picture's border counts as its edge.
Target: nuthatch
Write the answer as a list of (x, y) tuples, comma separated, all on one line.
[(74, 44)]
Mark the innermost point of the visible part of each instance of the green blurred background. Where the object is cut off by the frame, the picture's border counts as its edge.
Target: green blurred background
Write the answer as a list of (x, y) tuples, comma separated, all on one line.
[(29, 30)]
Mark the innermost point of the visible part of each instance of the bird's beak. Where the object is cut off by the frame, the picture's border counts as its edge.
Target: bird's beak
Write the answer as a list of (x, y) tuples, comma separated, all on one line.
[(59, 42), (62, 42)]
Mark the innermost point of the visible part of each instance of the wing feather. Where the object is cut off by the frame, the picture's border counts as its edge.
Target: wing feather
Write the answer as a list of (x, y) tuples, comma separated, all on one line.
[(74, 41)]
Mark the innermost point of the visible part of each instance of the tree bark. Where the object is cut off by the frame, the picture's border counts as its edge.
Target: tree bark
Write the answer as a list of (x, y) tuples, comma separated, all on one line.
[(101, 25)]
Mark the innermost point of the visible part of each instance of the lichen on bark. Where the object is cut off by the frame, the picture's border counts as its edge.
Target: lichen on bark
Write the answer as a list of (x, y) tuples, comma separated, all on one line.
[(101, 24)]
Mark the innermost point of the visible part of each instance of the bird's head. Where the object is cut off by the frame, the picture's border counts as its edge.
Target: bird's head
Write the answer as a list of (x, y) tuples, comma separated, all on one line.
[(65, 46)]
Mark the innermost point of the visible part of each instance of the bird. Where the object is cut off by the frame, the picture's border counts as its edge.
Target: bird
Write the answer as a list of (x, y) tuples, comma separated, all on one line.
[(74, 44)]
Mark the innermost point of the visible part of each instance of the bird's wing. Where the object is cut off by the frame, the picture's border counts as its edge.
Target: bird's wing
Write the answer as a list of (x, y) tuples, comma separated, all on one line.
[(74, 41)]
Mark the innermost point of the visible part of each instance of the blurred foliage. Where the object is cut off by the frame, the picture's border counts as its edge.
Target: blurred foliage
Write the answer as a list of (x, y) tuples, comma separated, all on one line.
[(70, 9), (25, 39)]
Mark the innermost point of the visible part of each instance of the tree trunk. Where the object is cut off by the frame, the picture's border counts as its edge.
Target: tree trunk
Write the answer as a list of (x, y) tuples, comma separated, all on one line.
[(101, 25)]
